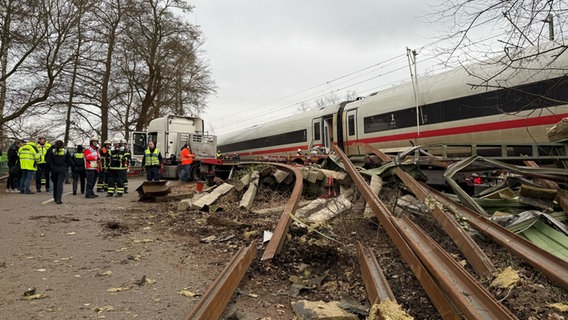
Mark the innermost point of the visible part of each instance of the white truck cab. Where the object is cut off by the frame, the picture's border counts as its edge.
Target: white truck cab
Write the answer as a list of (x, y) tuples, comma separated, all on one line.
[(169, 134)]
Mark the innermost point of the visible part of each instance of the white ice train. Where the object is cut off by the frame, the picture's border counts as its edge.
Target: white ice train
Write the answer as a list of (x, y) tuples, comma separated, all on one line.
[(515, 107)]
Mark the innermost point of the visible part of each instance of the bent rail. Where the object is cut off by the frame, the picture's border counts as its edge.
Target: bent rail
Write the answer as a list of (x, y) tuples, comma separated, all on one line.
[(475, 256), (547, 263), (279, 236), (213, 303), (448, 285)]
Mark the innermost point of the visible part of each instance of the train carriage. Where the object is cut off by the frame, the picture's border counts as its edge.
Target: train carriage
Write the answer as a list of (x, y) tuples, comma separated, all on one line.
[(516, 106)]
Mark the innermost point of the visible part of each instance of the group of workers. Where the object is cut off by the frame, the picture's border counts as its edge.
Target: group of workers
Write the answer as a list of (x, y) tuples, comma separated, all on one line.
[(106, 167), (94, 168), (49, 164)]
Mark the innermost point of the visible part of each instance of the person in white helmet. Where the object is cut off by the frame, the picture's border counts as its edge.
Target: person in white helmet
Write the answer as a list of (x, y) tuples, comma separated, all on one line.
[(93, 166)]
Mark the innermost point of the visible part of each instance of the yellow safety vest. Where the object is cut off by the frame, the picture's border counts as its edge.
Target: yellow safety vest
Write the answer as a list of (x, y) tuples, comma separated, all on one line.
[(152, 157), (28, 156), (42, 150)]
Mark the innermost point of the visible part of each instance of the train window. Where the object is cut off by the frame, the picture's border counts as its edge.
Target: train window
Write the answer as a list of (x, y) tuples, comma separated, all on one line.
[(376, 123), (351, 125), (267, 141), (317, 131)]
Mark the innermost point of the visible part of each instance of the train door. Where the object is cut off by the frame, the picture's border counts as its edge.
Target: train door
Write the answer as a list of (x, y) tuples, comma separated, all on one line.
[(328, 138), (316, 139), (351, 132)]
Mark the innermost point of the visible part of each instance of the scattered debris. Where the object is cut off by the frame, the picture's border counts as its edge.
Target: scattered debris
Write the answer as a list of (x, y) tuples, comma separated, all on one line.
[(559, 306), (248, 198), (333, 208), (388, 310), (506, 278), (35, 296), (29, 292), (376, 185), (119, 289), (142, 240), (189, 294), (267, 235), (314, 310), (210, 198), (208, 239), (216, 220), (149, 190), (103, 309), (141, 281), (103, 274)]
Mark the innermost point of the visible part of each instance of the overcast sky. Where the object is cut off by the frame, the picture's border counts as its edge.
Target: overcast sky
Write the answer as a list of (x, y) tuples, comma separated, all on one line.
[(268, 56)]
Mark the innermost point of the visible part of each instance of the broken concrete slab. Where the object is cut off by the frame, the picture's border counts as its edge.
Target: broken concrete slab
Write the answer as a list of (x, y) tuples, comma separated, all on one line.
[(376, 185), (312, 207), (248, 198), (184, 204), (208, 199), (278, 210), (151, 189), (334, 207), (320, 310), (337, 175), (313, 176), (280, 175)]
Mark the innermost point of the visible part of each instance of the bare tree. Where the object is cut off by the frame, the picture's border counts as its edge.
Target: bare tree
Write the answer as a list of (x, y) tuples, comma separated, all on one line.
[(32, 54), (106, 67), (330, 98), (303, 107), (514, 31), (169, 75)]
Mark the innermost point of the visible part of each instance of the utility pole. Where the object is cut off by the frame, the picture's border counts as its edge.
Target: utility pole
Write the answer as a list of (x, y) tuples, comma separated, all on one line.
[(550, 21), (411, 55)]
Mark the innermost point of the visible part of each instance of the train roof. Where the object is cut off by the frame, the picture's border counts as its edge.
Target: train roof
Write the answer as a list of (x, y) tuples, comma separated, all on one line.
[(281, 125), (468, 80)]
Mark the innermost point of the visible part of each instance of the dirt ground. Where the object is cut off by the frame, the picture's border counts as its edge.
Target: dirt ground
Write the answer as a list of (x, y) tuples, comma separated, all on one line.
[(119, 258)]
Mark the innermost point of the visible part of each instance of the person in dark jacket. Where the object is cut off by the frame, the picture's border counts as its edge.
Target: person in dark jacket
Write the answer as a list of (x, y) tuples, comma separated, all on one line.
[(14, 171), (79, 173), (59, 160)]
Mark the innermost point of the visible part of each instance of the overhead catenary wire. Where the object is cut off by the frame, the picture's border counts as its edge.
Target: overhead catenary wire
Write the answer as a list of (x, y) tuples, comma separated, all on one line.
[(292, 103)]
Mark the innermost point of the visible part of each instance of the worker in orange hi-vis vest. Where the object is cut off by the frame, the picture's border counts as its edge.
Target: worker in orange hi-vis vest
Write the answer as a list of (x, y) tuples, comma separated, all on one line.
[(186, 161)]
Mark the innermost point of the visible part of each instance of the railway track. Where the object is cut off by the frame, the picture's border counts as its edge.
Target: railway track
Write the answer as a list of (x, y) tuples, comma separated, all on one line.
[(454, 292), (215, 299), (451, 288)]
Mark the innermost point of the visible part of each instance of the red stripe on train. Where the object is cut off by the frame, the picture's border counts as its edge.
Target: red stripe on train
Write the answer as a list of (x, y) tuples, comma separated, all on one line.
[(476, 128)]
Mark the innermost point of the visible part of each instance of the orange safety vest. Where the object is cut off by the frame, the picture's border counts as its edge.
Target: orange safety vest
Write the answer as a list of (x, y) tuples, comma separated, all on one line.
[(186, 156)]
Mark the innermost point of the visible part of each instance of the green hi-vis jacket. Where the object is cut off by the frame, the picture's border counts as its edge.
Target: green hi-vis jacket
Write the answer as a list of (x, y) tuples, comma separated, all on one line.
[(29, 156)]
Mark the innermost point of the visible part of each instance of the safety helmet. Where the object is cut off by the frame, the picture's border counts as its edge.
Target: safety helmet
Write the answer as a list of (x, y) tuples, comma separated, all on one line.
[(122, 140), (107, 141), (115, 140), (94, 138)]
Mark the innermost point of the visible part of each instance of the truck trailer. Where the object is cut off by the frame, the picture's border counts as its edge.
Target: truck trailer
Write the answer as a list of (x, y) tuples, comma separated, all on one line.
[(170, 133)]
